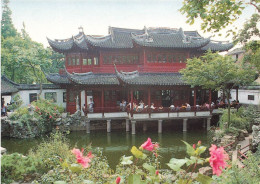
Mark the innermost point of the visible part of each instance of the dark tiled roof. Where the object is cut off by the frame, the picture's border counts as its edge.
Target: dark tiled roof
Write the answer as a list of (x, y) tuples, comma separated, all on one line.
[(77, 42), (57, 78), (131, 78), (151, 37), (168, 38), (217, 46), (93, 79), (160, 79), (37, 86), (236, 51), (8, 86)]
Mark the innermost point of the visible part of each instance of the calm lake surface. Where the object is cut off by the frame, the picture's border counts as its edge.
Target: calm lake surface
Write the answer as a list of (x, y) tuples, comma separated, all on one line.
[(119, 143)]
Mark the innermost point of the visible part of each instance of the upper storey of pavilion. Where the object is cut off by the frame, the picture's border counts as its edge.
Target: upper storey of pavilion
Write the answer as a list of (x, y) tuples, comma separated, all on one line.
[(122, 38)]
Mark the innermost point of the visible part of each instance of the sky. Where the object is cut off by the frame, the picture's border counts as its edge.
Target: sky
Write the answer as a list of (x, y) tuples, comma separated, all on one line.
[(60, 19)]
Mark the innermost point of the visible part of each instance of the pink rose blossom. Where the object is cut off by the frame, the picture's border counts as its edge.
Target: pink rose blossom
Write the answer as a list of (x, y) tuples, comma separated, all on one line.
[(218, 158), (148, 145)]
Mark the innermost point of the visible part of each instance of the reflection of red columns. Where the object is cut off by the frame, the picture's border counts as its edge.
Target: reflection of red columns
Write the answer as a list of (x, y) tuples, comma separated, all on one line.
[(102, 99), (195, 97), (237, 94), (149, 97), (210, 97)]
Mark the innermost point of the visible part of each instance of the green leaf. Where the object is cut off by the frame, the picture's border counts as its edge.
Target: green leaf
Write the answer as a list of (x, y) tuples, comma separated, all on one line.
[(184, 181), (201, 149), (190, 150), (127, 160), (176, 164), (150, 168), (76, 168), (60, 182), (203, 179), (135, 179), (88, 182)]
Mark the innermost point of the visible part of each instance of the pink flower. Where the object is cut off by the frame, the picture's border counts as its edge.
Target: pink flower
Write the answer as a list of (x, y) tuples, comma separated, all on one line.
[(199, 143), (148, 145), (89, 155), (84, 161), (77, 152), (218, 158), (194, 146), (157, 172), (118, 180), (50, 116)]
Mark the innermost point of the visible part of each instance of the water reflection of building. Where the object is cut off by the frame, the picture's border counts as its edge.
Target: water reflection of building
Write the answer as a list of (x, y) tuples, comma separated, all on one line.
[(147, 64)]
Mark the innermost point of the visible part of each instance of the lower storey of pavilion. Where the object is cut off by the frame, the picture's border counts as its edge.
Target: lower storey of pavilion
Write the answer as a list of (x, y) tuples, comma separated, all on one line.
[(134, 97)]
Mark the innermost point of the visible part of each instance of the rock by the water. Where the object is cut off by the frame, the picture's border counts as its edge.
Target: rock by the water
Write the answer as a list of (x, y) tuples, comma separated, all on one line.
[(3, 150)]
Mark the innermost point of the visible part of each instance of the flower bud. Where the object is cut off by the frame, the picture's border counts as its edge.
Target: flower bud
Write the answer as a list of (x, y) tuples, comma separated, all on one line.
[(157, 172), (194, 146), (118, 180), (199, 143)]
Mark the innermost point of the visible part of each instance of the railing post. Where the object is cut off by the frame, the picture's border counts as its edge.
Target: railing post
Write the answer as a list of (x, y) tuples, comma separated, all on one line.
[(88, 126), (238, 148), (133, 126)]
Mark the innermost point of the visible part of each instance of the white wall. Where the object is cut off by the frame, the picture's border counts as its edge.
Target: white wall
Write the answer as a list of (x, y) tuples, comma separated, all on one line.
[(25, 95), (243, 96)]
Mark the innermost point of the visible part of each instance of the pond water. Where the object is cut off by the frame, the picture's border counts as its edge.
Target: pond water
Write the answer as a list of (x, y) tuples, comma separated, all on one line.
[(119, 143)]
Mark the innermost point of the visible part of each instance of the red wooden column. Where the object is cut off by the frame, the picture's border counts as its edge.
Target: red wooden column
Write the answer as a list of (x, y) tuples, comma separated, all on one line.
[(102, 99), (209, 97), (149, 97), (195, 97)]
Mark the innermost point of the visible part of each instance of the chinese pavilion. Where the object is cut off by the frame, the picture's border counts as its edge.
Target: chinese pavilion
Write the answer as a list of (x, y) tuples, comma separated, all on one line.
[(133, 65)]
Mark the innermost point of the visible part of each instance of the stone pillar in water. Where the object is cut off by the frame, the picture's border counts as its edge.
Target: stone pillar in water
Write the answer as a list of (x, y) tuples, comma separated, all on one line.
[(109, 125), (88, 126), (133, 126), (184, 125), (208, 123), (82, 100), (160, 126), (204, 123), (144, 126), (127, 128)]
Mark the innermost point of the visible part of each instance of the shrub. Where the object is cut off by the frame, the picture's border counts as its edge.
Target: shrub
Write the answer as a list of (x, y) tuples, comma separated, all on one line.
[(17, 102), (51, 151), (16, 167)]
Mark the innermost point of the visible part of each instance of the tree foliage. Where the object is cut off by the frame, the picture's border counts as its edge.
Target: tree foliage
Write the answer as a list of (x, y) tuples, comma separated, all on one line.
[(218, 14), (24, 60), (213, 71), (252, 54), (7, 27)]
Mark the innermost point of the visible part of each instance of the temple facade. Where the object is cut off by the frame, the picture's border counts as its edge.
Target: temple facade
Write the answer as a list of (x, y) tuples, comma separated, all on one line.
[(132, 65)]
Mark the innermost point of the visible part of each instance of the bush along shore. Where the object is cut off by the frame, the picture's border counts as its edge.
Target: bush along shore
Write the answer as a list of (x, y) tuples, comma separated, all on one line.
[(244, 121), (53, 161)]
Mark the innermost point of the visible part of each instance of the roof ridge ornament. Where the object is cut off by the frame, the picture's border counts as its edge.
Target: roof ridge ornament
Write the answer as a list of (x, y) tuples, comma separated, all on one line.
[(111, 32), (81, 29)]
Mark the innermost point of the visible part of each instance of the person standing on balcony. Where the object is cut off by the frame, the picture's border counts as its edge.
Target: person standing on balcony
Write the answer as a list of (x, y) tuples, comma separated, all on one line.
[(91, 105)]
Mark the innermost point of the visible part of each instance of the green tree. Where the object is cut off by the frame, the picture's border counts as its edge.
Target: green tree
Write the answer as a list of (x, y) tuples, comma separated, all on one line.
[(252, 54), (218, 14), (7, 27), (213, 71)]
